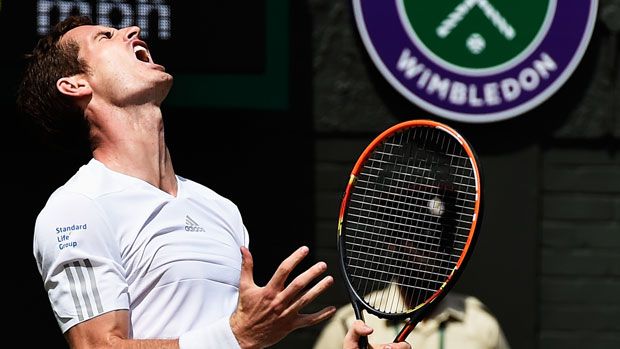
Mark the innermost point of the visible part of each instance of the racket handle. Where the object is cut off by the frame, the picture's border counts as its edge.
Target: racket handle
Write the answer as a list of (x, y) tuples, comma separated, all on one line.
[(363, 342)]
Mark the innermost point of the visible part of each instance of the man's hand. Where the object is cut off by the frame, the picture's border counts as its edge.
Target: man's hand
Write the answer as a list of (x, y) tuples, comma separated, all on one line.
[(265, 315), (360, 329)]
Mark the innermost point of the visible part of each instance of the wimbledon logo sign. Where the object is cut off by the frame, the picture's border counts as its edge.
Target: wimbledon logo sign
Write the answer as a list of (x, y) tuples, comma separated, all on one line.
[(476, 60)]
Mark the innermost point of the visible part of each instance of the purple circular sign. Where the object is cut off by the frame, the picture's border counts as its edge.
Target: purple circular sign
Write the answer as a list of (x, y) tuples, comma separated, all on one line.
[(476, 60)]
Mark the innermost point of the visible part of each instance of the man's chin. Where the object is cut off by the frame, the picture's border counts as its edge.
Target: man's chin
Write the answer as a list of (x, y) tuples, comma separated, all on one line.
[(164, 86)]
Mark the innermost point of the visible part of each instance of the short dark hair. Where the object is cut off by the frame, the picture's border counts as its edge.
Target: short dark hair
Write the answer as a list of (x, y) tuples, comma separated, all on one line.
[(37, 95)]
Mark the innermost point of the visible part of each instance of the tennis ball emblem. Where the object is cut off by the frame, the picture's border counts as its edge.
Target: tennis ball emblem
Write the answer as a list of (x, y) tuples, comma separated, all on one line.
[(476, 43)]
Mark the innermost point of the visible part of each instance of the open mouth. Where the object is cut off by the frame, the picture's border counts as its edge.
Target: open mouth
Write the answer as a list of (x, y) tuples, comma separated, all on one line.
[(142, 53)]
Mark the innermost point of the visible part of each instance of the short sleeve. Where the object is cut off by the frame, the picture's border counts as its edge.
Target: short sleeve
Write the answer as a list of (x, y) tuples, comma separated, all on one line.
[(79, 260)]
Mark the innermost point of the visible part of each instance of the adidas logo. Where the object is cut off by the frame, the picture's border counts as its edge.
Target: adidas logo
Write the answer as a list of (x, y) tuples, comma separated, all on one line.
[(191, 225)]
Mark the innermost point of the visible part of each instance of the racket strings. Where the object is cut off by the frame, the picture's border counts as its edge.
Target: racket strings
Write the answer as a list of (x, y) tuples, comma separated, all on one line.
[(405, 252), (463, 204), (409, 218), (368, 210)]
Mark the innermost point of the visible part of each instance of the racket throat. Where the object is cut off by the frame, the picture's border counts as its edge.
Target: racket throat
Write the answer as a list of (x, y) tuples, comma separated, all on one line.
[(359, 314), (402, 335)]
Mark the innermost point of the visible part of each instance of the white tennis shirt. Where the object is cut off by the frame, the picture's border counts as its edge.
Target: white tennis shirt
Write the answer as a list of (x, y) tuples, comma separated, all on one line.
[(106, 241)]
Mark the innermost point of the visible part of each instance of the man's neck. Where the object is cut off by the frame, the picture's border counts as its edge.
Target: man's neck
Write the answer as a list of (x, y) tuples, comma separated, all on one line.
[(134, 145)]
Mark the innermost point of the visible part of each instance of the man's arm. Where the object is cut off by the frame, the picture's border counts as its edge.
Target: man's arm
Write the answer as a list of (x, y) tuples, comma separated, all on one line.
[(263, 317), (111, 330)]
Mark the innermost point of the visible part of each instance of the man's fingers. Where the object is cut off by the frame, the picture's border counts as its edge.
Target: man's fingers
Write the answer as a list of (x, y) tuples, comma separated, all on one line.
[(401, 345), (357, 330), (306, 320), (361, 329), (286, 267), (247, 268), (303, 280), (310, 295)]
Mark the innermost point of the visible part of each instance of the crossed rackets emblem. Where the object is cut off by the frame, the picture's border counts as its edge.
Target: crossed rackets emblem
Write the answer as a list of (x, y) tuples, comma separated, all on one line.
[(476, 42)]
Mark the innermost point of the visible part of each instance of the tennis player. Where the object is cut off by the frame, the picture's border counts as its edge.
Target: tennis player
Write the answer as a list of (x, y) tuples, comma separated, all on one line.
[(131, 254)]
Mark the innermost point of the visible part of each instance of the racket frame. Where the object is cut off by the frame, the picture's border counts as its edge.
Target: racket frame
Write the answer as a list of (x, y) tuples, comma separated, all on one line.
[(416, 314)]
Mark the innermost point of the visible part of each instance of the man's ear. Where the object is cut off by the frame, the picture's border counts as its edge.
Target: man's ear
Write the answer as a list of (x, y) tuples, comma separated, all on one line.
[(74, 86)]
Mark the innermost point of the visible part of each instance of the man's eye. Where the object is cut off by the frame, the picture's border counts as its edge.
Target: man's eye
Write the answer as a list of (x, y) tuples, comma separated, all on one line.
[(107, 35)]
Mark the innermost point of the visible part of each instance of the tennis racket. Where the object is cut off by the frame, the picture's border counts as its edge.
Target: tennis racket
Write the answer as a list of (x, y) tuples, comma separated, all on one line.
[(408, 221)]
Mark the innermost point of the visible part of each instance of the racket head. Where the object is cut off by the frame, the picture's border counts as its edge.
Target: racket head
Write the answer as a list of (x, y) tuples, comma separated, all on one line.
[(409, 216)]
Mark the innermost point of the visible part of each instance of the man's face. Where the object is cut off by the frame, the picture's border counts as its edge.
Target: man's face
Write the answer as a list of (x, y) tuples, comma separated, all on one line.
[(121, 69)]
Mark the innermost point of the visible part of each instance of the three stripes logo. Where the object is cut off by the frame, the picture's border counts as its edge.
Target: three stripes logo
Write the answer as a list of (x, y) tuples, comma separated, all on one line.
[(476, 60), (191, 225), (84, 289)]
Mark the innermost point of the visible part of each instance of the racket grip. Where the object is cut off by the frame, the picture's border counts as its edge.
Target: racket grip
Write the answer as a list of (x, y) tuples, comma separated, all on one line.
[(363, 342)]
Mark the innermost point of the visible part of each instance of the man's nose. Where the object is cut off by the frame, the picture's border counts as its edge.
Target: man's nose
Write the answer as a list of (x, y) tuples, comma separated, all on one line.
[(131, 32)]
